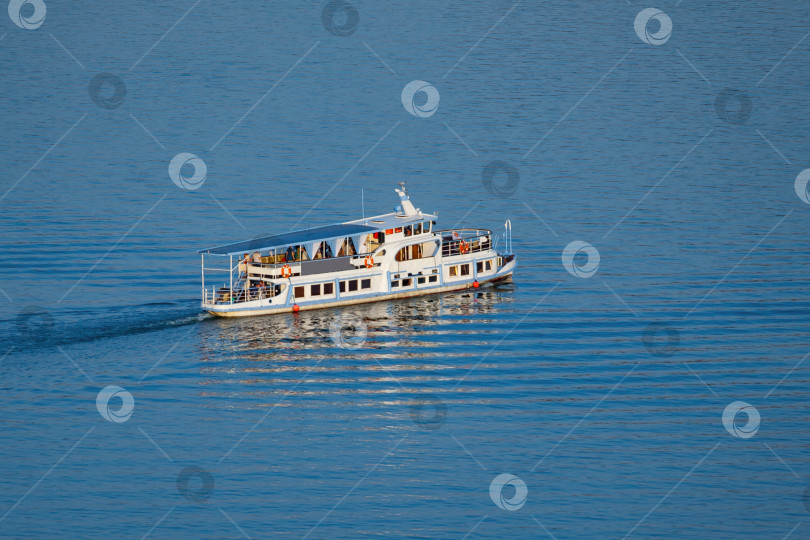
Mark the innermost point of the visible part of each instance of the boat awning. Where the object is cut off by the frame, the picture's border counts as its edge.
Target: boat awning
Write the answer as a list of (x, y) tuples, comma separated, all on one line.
[(291, 238)]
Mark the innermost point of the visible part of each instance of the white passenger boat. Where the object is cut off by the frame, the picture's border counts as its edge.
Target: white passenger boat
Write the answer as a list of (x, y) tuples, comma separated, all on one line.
[(394, 255)]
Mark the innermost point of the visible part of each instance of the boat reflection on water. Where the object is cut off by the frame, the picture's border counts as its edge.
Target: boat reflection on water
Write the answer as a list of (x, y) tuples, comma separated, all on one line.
[(406, 344)]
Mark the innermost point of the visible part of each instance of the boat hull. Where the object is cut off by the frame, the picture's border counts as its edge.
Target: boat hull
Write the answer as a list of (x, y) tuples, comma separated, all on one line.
[(236, 310)]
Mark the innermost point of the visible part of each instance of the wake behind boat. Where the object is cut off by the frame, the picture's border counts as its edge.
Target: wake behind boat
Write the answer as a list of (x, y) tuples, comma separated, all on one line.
[(394, 255)]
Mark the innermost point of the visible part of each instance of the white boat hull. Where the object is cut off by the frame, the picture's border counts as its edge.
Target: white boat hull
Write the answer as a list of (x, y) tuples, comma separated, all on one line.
[(264, 307)]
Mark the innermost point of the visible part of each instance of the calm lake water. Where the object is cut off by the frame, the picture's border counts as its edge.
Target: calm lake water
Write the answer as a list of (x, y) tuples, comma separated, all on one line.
[(672, 151)]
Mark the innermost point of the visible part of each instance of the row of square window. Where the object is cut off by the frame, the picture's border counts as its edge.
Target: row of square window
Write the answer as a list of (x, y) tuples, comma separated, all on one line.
[(464, 269), (408, 281), (328, 289)]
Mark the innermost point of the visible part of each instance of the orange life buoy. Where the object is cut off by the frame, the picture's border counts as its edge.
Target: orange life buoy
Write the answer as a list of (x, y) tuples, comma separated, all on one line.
[(286, 271), (369, 262), (464, 247)]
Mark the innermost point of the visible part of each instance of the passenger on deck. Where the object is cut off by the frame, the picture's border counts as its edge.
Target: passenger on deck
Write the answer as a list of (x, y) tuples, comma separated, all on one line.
[(290, 254), (262, 289), (327, 251)]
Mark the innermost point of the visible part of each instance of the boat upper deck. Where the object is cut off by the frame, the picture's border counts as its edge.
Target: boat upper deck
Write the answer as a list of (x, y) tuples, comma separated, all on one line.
[(382, 223), (327, 232)]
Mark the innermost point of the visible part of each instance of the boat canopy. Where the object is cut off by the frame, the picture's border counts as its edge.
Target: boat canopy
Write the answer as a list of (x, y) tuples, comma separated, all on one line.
[(292, 238)]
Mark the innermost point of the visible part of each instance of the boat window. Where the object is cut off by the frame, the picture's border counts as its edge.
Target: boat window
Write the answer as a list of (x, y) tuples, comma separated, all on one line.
[(479, 266), (347, 248), (342, 286), (408, 230), (417, 228), (296, 253), (489, 265), (406, 282), (298, 292), (373, 241), (432, 279), (402, 255), (465, 269), (323, 251), (352, 285), (398, 229), (453, 271), (365, 284), (395, 284), (420, 281), (315, 290), (426, 227), (416, 251), (389, 231), (328, 288), (429, 249)]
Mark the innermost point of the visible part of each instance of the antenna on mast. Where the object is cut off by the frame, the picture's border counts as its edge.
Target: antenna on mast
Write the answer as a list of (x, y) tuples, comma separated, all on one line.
[(363, 202)]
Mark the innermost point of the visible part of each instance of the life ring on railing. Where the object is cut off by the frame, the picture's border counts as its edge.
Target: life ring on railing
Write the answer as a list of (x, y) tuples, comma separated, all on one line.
[(286, 271), (463, 247), (369, 262)]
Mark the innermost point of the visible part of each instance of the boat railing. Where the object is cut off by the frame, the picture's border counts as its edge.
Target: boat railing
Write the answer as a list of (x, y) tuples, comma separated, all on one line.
[(463, 241), (222, 294), (283, 270)]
